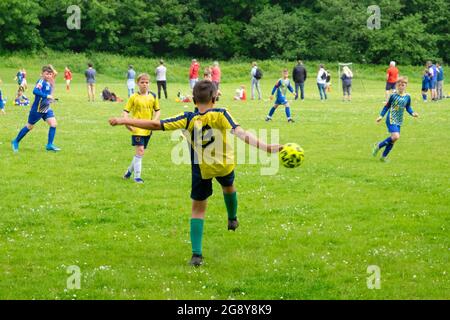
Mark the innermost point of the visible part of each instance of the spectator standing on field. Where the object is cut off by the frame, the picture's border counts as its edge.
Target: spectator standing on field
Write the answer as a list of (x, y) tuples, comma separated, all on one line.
[(90, 81), (131, 74), (24, 79), (255, 77), (67, 77), (19, 78), (391, 79), (161, 80), (347, 76), (216, 75), (299, 77), (440, 81), (433, 72), (321, 82), (193, 73)]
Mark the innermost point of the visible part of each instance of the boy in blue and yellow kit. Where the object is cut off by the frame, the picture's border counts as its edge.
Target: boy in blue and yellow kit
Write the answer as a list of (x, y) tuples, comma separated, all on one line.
[(41, 109), (281, 88), (141, 105), (210, 126), (2, 104), (398, 102)]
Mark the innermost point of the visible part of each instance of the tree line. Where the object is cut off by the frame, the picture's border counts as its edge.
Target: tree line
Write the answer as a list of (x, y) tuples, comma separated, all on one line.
[(411, 31)]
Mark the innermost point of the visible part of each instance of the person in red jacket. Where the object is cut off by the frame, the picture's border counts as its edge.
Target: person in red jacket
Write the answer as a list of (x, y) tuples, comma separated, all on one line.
[(193, 73), (391, 79), (67, 77)]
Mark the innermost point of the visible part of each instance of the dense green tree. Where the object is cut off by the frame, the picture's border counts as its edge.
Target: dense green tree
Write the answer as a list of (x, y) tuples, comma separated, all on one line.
[(19, 21), (411, 30)]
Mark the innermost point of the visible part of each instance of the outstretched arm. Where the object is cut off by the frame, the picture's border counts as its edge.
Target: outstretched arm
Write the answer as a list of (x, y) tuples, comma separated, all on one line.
[(139, 123), (410, 110), (250, 139), (384, 110)]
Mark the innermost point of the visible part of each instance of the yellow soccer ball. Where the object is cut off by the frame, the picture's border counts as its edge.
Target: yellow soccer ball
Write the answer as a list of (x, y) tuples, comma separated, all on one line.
[(291, 155)]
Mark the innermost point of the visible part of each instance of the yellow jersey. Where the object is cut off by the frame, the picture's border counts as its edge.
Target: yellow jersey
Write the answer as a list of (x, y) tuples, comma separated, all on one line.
[(142, 106), (212, 146)]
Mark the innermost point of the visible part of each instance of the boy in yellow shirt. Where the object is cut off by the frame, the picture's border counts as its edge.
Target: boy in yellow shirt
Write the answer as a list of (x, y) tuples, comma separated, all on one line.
[(142, 105), (211, 155)]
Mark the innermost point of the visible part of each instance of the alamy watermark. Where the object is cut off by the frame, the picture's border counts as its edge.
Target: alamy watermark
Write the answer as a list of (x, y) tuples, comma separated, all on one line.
[(74, 20), (374, 280), (74, 280), (374, 21), (217, 148)]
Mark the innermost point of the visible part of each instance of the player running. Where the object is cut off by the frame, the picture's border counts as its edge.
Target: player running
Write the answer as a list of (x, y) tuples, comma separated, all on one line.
[(394, 108), (41, 109)]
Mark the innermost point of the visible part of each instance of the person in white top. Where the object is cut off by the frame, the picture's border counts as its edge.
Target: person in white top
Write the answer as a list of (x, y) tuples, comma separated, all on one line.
[(161, 80), (321, 81)]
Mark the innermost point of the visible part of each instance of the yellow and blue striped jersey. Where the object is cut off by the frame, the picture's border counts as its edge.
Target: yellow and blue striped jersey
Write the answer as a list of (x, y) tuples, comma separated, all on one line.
[(212, 147), (142, 107), (396, 106)]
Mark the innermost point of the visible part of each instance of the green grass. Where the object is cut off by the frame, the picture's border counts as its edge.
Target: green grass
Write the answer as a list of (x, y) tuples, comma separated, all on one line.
[(306, 233)]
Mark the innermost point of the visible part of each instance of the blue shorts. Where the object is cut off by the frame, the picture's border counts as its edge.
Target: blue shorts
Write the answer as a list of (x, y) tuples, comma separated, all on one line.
[(390, 86), (202, 188), (392, 127), (425, 86), (140, 140), (281, 101), (35, 116), (2, 105), (432, 84)]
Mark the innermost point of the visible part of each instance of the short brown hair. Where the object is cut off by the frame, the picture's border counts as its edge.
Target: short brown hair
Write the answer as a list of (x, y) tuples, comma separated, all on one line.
[(47, 68), (402, 79), (204, 91), (143, 75)]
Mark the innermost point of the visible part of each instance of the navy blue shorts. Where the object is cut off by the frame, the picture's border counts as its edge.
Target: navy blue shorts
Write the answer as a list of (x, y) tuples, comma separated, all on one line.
[(392, 127), (202, 188), (140, 140), (433, 84), (35, 116), (281, 101), (390, 86)]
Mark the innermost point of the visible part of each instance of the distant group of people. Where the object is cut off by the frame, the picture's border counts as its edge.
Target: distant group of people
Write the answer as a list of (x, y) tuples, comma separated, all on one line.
[(299, 76), (212, 73), (433, 81)]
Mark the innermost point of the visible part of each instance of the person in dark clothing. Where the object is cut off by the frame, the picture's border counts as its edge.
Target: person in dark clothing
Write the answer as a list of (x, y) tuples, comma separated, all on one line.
[(299, 77)]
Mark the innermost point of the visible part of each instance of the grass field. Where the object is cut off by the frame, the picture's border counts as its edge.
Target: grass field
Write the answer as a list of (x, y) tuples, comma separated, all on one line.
[(305, 233)]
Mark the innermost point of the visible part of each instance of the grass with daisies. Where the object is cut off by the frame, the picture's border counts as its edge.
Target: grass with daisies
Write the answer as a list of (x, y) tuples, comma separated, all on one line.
[(305, 233)]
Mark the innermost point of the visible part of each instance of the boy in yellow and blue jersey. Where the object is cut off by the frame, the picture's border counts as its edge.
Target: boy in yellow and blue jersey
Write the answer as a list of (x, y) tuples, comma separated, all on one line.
[(41, 109), (141, 105), (2, 104), (211, 155), (395, 107), (281, 88)]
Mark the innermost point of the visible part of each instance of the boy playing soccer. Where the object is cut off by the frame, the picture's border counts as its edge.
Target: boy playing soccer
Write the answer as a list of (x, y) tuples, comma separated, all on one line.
[(2, 104), (142, 105), (41, 109), (281, 88), (211, 126), (394, 108)]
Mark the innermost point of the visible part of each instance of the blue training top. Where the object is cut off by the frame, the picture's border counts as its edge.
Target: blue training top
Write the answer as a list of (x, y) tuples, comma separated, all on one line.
[(41, 91)]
